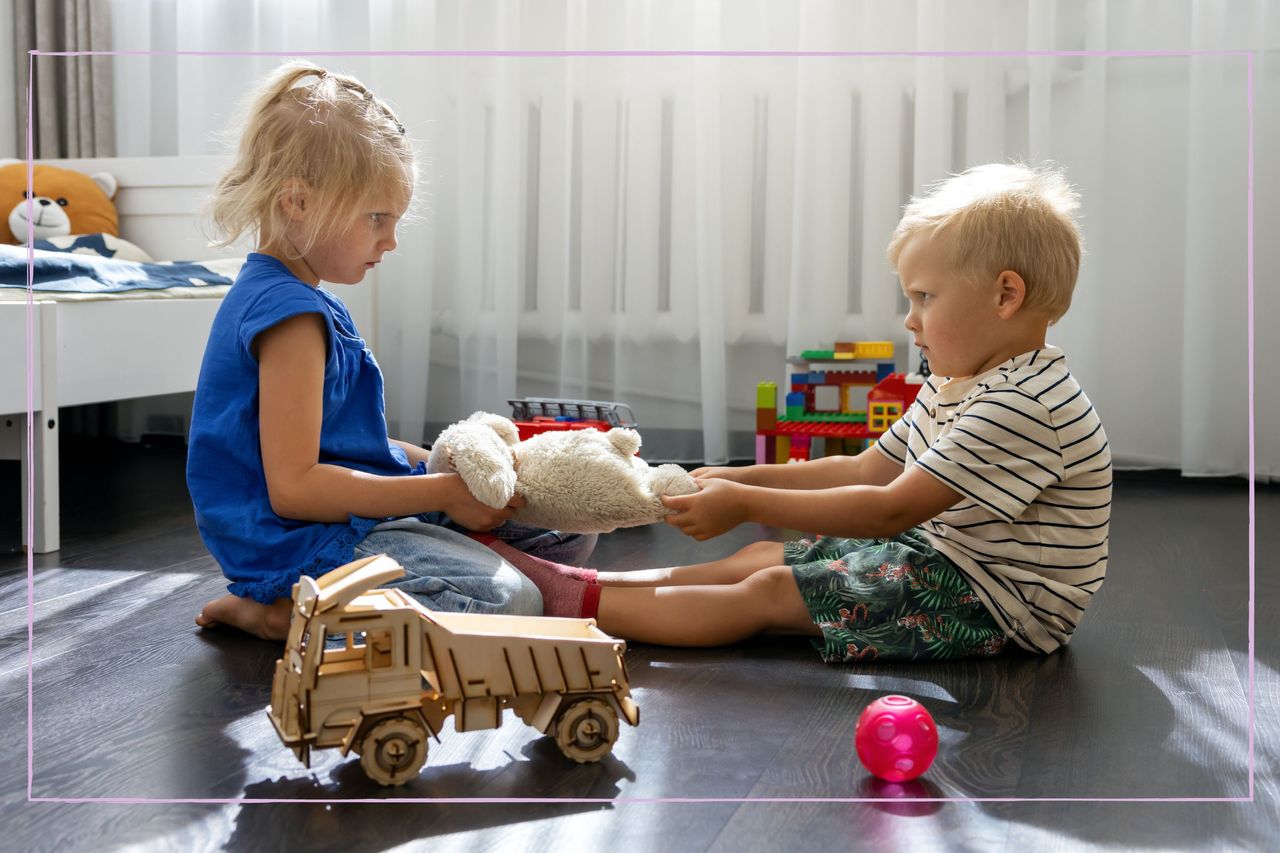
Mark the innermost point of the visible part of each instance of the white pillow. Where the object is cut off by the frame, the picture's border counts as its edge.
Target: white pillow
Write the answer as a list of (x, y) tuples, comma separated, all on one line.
[(99, 245)]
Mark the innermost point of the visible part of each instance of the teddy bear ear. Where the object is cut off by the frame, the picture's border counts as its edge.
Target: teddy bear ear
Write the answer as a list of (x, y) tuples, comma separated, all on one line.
[(627, 441), (490, 481), (487, 470), (106, 182), (505, 429)]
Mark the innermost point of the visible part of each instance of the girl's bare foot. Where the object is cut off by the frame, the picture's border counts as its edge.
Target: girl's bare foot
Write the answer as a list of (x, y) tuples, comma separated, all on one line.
[(268, 621)]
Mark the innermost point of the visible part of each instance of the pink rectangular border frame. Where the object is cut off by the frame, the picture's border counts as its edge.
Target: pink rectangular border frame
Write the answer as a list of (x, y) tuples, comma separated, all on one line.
[(30, 531)]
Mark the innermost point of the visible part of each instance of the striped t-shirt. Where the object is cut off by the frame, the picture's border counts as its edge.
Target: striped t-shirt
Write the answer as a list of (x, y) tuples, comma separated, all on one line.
[(1023, 446)]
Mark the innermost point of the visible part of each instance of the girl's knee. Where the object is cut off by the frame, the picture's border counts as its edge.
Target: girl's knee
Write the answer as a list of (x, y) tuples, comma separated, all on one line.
[(553, 545), (578, 548), (517, 594)]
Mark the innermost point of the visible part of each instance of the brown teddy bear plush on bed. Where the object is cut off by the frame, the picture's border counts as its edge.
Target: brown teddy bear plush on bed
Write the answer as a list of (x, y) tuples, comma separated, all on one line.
[(74, 212), (66, 202)]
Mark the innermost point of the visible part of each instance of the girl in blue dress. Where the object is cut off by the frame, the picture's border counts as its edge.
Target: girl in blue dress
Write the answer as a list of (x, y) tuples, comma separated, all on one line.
[(290, 467)]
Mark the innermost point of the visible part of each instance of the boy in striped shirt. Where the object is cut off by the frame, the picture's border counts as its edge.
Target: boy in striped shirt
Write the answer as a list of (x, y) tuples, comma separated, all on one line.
[(980, 518)]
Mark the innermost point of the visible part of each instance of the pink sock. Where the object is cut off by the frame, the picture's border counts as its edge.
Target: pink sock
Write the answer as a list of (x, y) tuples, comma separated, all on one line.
[(566, 590)]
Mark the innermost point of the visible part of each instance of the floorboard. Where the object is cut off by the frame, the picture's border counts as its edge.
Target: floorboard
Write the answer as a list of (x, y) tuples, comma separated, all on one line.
[(1151, 699)]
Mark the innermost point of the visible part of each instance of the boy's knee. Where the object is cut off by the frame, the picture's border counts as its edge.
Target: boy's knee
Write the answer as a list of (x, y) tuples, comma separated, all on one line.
[(776, 590), (763, 551), (775, 578)]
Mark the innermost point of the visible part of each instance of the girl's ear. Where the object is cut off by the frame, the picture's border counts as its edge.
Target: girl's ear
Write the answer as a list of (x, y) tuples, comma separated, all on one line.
[(1011, 293), (293, 198)]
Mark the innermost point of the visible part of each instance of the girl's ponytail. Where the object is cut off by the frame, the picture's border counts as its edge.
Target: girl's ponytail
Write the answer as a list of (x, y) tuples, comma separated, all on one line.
[(285, 77)]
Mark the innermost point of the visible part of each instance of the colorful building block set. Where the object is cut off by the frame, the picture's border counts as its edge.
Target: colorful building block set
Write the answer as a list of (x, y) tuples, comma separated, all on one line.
[(847, 396)]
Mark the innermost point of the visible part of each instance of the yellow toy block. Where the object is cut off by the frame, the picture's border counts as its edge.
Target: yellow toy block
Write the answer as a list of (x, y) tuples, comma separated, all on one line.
[(874, 350), (767, 395)]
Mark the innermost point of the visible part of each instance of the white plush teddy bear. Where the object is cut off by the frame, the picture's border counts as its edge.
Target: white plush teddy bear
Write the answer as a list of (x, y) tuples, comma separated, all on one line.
[(578, 481)]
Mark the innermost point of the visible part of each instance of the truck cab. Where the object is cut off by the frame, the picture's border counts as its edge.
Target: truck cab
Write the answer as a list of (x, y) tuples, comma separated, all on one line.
[(344, 661)]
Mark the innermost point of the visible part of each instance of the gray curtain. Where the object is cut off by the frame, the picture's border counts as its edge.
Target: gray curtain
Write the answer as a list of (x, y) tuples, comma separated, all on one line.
[(72, 111)]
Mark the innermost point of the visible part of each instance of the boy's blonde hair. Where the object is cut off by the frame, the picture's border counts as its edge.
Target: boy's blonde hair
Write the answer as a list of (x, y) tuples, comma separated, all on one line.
[(325, 130), (1004, 217)]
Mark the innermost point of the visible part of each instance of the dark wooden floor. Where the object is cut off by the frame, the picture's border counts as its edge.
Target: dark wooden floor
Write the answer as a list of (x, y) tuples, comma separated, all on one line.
[(131, 701)]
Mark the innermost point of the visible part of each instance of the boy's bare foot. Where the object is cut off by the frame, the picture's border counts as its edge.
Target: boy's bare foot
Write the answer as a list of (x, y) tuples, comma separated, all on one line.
[(268, 621)]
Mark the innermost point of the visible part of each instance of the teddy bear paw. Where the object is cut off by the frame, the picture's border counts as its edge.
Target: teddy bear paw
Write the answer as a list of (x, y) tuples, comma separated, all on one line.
[(671, 480)]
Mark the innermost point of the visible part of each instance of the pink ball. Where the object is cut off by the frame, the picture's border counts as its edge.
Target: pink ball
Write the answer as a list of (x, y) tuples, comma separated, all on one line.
[(896, 738)]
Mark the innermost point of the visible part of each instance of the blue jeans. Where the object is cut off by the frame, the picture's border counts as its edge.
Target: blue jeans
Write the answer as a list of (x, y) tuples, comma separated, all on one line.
[(447, 570)]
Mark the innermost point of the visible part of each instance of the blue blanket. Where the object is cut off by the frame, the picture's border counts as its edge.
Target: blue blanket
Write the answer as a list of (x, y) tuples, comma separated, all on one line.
[(65, 272)]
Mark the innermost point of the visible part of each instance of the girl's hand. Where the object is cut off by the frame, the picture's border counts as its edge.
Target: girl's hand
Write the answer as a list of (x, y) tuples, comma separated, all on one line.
[(719, 507), (464, 509)]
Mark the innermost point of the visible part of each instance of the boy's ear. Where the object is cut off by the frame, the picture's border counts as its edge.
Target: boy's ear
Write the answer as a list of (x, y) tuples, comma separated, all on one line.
[(1011, 293), (293, 198)]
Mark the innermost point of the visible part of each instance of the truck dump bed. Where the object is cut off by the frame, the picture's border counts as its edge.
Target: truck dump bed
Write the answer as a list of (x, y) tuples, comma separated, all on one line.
[(481, 656), (524, 626)]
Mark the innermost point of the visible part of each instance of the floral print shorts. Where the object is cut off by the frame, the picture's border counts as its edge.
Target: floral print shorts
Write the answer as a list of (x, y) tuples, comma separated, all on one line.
[(895, 599)]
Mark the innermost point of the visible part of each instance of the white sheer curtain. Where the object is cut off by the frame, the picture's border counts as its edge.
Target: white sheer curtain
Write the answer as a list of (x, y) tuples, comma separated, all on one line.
[(664, 230)]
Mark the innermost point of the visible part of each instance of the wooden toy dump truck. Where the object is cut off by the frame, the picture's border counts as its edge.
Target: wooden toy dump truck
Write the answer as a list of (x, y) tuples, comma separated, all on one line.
[(372, 671)]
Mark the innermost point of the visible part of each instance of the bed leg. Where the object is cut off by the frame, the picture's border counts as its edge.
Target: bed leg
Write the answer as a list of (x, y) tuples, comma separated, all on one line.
[(46, 534)]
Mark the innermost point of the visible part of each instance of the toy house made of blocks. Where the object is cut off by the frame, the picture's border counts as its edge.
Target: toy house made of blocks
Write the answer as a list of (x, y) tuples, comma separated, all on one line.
[(847, 396)]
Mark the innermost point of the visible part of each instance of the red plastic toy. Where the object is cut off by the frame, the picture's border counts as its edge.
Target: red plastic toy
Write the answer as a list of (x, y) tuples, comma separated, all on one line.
[(896, 738), (535, 415)]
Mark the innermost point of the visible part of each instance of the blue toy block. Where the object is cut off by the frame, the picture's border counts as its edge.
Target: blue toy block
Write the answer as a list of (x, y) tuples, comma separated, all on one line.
[(883, 369), (795, 398)]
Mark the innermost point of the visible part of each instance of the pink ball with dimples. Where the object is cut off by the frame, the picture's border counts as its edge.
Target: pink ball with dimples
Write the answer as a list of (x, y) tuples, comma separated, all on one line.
[(896, 738)]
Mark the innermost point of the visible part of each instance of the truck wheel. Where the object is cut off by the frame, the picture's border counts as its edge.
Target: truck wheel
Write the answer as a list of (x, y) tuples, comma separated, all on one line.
[(586, 730), (393, 751)]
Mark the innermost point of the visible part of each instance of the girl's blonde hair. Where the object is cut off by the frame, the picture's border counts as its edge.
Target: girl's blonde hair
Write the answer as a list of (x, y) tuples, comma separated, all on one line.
[(305, 127), (1004, 217)]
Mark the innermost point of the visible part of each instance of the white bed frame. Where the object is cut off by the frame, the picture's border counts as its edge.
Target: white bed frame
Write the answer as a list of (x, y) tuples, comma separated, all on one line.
[(99, 351)]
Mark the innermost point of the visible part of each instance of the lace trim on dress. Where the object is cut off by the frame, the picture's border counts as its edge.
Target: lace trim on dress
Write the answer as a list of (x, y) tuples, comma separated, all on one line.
[(338, 551)]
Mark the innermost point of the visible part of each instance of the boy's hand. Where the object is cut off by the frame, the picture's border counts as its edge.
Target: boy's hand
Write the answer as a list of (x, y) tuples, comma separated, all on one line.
[(470, 513), (717, 508), (722, 472)]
